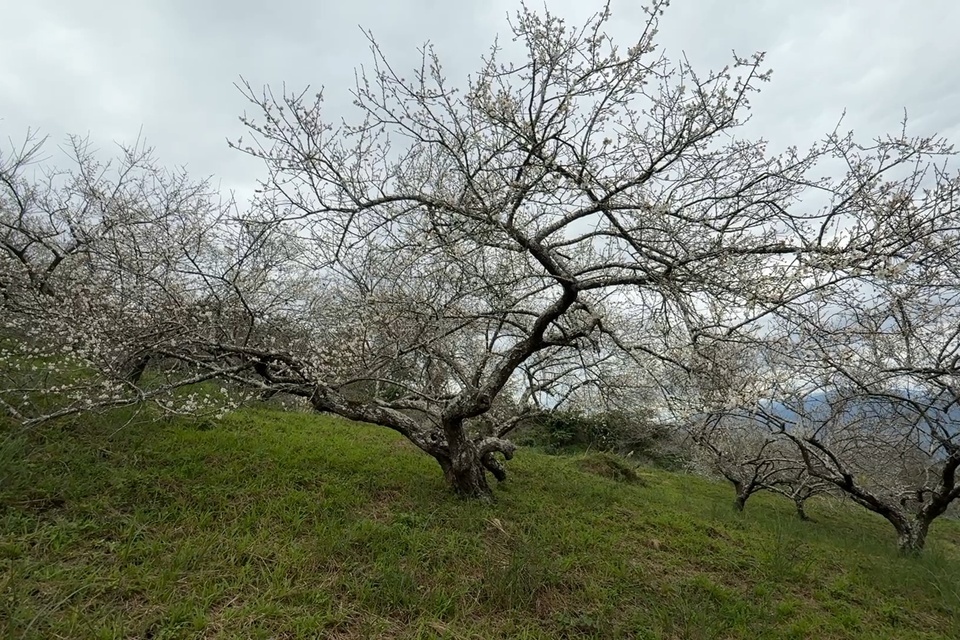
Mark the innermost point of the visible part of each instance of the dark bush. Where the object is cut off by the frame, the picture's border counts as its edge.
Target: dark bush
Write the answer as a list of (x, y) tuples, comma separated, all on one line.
[(634, 434)]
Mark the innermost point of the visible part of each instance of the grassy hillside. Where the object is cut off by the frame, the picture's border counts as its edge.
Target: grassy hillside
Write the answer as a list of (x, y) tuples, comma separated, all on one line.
[(273, 525)]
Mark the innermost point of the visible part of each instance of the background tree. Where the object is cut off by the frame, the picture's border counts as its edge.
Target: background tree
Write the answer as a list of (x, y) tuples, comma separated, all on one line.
[(872, 403), (794, 482), (738, 450), (96, 263)]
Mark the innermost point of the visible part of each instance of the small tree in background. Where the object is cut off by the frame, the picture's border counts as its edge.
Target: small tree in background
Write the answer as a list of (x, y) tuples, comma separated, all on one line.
[(740, 452), (873, 407), (795, 483)]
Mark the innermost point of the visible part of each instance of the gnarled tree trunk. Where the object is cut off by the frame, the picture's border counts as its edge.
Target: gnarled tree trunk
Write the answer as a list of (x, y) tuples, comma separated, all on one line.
[(911, 535), (465, 462), (741, 501), (465, 473), (744, 491)]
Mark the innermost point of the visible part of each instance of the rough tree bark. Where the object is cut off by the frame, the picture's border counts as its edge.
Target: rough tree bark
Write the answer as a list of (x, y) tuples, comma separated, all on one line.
[(465, 461), (744, 491), (464, 471), (465, 467), (911, 534)]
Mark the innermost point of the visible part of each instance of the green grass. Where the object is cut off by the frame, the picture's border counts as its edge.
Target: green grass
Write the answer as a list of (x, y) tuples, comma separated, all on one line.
[(274, 525)]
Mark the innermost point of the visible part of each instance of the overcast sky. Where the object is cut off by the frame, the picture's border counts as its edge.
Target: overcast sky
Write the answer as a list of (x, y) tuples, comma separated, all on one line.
[(108, 68)]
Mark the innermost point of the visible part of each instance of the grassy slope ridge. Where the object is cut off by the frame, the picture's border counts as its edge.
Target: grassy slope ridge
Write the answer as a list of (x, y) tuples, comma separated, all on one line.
[(273, 525)]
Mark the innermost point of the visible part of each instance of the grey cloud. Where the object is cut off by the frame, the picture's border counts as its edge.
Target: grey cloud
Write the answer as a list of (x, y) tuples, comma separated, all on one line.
[(111, 67)]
